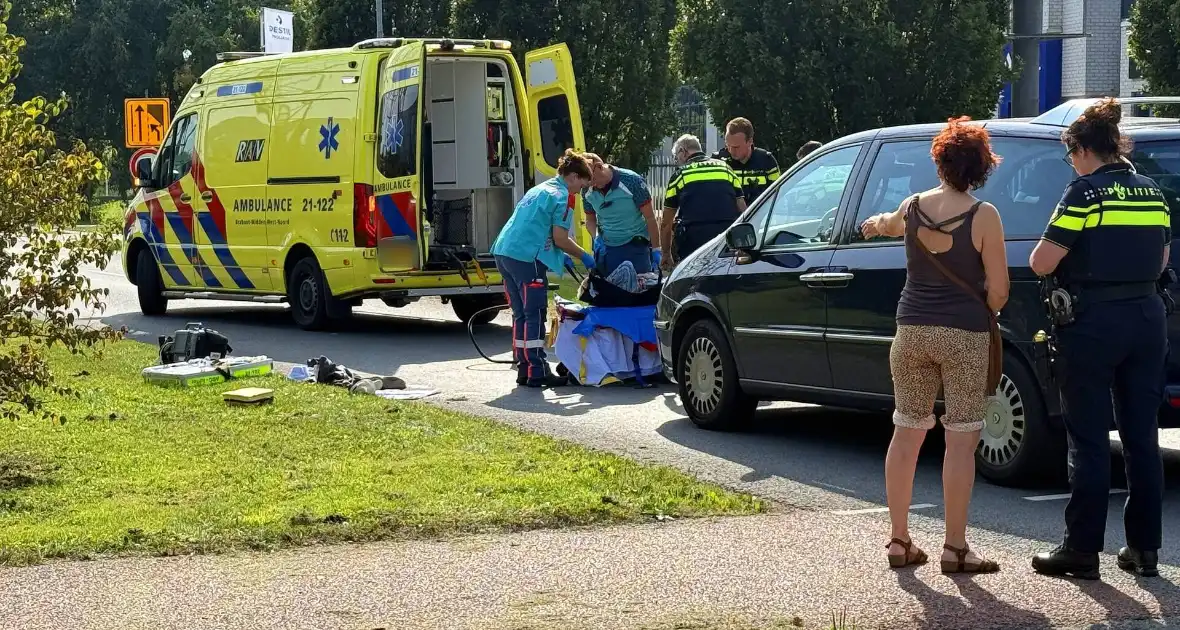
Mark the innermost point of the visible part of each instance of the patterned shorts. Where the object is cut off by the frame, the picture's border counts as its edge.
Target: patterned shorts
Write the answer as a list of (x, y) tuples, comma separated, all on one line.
[(924, 357)]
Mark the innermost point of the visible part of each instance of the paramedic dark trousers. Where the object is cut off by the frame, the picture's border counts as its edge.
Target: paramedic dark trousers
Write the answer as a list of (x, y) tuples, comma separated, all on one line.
[(527, 285), (637, 252), (1117, 347)]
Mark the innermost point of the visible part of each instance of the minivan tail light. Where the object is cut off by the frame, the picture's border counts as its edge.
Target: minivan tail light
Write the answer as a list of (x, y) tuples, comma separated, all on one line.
[(364, 216)]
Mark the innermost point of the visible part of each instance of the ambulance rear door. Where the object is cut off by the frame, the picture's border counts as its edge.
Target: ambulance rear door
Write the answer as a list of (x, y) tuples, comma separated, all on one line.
[(399, 200), (555, 118)]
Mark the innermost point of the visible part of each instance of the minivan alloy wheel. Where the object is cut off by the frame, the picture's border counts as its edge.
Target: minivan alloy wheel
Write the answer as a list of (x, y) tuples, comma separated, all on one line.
[(703, 375), (1003, 424)]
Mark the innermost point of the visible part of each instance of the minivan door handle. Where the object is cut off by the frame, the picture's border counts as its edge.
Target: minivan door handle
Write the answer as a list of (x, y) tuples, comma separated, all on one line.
[(207, 196), (826, 279), (185, 198)]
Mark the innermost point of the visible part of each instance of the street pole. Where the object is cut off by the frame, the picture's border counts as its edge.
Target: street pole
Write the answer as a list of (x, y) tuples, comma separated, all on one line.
[(380, 19)]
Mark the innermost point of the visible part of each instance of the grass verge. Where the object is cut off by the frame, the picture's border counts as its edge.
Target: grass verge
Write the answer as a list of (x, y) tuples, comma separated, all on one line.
[(139, 469)]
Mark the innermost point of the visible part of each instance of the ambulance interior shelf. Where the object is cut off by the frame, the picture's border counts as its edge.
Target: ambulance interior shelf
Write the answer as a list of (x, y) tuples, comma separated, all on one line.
[(473, 165)]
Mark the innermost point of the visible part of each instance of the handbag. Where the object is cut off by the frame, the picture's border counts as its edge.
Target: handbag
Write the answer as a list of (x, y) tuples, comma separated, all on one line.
[(995, 363)]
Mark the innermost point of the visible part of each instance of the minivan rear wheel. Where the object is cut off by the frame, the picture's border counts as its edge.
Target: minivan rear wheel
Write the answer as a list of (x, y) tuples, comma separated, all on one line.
[(707, 379), (1018, 445)]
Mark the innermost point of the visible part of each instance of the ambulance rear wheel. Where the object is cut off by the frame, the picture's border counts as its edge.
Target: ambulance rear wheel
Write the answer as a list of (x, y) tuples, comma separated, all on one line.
[(469, 307), (308, 295), (149, 284)]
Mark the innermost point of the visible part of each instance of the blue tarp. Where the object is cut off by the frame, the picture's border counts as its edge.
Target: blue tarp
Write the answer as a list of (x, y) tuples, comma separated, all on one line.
[(634, 322)]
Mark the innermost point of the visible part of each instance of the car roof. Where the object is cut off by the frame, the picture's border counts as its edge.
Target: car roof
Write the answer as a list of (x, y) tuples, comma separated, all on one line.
[(1139, 128)]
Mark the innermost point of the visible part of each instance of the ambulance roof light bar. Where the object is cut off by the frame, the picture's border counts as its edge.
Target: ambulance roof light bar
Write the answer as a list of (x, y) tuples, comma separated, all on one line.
[(443, 43), (240, 55)]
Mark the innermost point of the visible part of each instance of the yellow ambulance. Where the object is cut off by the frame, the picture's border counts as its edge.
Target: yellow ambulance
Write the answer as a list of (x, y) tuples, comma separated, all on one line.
[(324, 178)]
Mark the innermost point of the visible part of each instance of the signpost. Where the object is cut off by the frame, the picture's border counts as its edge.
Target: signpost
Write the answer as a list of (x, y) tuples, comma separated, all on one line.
[(278, 31), (145, 121)]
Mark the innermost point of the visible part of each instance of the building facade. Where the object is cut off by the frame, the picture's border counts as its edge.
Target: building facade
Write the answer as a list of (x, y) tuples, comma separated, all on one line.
[(1088, 59)]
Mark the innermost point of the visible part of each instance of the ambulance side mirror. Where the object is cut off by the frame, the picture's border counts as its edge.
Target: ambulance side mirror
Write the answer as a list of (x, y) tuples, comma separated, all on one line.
[(141, 177)]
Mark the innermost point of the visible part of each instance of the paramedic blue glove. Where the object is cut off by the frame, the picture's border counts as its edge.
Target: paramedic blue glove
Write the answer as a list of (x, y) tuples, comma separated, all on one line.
[(587, 261), (567, 262), (656, 257), (599, 246)]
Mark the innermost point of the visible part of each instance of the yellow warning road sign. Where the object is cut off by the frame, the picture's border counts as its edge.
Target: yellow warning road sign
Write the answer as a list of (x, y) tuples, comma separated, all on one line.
[(145, 121)]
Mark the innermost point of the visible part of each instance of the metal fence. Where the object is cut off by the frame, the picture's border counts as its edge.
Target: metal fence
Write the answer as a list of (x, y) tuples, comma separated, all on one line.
[(692, 117), (658, 175)]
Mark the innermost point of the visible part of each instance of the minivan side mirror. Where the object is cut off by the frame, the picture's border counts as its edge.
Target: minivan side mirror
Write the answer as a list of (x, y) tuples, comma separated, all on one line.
[(741, 237)]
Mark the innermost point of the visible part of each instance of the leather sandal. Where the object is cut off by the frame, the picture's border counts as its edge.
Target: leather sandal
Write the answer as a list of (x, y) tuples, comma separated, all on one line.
[(911, 555), (960, 565)]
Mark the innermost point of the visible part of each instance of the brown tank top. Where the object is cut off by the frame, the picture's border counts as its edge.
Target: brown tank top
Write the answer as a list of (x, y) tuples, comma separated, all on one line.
[(929, 298)]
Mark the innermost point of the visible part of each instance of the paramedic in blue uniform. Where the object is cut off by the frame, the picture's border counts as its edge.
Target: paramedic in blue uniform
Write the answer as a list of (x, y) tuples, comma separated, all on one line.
[(1107, 244), (703, 199), (620, 217), (537, 240)]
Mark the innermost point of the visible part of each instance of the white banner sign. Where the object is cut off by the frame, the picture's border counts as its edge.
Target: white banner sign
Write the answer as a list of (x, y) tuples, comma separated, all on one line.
[(278, 31)]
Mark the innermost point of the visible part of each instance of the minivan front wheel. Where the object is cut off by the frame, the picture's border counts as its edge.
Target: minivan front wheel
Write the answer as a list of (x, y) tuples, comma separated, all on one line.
[(1018, 445), (708, 379)]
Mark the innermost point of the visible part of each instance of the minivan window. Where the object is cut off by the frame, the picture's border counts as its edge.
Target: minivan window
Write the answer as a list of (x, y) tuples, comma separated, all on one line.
[(1161, 162), (804, 206), (1025, 187), (397, 153)]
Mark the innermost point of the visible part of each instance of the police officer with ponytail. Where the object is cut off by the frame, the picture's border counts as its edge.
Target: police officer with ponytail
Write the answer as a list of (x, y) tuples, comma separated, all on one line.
[(1107, 245)]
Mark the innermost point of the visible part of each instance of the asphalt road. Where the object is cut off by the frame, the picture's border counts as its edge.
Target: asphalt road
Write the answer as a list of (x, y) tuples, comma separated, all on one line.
[(806, 457)]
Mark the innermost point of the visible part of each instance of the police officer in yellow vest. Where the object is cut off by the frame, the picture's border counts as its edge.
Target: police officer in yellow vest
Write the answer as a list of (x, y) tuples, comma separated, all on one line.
[(704, 197), (757, 168), (1107, 245)]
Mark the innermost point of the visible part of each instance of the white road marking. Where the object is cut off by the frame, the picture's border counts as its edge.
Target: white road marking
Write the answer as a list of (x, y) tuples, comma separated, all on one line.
[(1058, 497), (877, 510)]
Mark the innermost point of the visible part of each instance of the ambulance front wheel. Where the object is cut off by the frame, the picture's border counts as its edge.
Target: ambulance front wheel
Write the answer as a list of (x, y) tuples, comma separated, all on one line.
[(312, 304), (149, 284)]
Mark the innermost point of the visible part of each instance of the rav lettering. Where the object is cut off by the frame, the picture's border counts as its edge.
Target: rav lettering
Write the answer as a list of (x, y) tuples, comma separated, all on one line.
[(250, 150)]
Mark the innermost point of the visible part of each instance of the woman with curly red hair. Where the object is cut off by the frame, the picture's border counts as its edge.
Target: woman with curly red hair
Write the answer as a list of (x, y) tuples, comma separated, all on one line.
[(956, 283)]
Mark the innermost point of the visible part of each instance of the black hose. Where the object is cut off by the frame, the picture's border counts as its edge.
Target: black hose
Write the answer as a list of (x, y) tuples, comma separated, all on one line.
[(500, 307), (471, 333)]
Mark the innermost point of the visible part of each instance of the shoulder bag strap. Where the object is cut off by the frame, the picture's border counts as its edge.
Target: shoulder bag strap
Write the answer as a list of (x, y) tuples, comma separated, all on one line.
[(950, 276)]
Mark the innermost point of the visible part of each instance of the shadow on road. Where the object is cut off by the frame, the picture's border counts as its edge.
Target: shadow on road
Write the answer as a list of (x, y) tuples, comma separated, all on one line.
[(369, 342), (844, 452), (575, 400), (976, 609)]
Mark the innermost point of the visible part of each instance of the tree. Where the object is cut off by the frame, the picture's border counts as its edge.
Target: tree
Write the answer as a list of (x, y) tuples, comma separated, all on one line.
[(1154, 46), (41, 186), (821, 69), (621, 60), (340, 23), (99, 52)]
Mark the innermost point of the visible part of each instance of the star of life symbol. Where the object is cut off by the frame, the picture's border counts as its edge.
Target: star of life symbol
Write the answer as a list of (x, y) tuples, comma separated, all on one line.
[(394, 136), (328, 132)]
